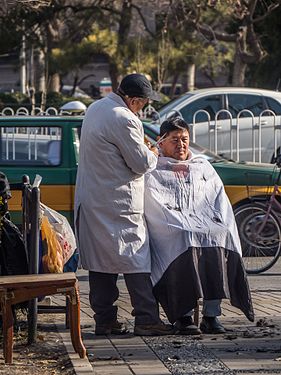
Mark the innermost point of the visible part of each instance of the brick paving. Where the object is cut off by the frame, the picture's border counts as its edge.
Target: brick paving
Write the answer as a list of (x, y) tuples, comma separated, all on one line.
[(245, 349)]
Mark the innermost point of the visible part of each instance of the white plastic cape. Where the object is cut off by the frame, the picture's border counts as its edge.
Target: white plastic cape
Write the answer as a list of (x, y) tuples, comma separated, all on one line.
[(186, 206)]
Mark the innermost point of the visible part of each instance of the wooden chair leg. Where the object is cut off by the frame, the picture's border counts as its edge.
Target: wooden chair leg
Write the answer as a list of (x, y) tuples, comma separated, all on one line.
[(8, 331), (74, 320), (67, 312)]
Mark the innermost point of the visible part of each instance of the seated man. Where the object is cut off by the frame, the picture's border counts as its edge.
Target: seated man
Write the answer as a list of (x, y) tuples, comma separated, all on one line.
[(194, 241)]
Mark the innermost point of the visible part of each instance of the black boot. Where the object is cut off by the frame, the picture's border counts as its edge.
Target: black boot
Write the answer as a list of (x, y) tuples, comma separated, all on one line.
[(211, 324), (186, 326)]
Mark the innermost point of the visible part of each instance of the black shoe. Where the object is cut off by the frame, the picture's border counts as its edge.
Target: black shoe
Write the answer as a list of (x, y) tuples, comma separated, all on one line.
[(115, 328), (211, 325), (186, 326), (159, 329)]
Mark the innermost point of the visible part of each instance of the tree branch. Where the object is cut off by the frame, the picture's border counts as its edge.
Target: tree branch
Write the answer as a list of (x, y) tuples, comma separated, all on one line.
[(271, 8), (209, 32), (138, 9)]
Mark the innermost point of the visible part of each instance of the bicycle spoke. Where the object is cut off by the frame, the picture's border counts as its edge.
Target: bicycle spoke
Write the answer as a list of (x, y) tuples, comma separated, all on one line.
[(260, 235)]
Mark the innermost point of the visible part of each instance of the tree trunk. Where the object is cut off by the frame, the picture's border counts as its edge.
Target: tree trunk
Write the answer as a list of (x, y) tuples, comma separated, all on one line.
[(174, 85), (23, 66), (190, 77), (74, 84), (123, 32), (54, 83), (239, 65), (239, 71), (113, 73), (125, 23), (40, 77)]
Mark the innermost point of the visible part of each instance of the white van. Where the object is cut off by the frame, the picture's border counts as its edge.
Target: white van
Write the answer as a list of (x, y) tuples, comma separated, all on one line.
[(238, 123)]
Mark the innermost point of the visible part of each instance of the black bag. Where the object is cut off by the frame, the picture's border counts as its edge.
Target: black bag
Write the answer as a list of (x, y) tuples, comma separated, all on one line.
[(13, 255), (5, 193)]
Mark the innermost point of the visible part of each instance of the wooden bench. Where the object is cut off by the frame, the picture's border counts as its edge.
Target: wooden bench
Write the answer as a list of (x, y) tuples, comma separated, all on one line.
[(16, 289)]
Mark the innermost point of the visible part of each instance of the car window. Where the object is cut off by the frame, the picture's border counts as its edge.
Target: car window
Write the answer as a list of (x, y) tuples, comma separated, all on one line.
[(273, 105), (40, 146), (237, 102), (167, 108), (212, 104)]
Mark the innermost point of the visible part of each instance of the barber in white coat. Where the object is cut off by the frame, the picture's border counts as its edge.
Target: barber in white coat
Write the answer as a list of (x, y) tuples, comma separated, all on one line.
[(109, 218)]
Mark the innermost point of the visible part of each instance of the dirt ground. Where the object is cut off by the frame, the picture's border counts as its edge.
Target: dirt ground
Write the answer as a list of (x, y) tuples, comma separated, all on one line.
[(47, 356)]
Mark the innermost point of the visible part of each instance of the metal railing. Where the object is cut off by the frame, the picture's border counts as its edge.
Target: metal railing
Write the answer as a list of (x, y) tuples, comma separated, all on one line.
[(30, 231), (147, 112), (37, 111), (213, 126), (233, 129)]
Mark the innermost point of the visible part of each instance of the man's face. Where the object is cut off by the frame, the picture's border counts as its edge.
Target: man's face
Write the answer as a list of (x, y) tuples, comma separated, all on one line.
[(175, 145), (136, 104)]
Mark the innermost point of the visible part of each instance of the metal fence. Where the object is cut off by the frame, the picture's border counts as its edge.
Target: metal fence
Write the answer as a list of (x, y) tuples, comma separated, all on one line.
[(257, 125), (213, 125), (37, 111), (233, 126), (30, 231)]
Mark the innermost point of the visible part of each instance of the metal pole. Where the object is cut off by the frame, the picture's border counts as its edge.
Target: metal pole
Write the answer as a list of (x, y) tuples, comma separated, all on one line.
[(33, 259)]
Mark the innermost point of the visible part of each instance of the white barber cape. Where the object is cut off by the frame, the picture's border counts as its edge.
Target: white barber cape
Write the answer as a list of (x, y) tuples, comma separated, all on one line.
[(194, 241)]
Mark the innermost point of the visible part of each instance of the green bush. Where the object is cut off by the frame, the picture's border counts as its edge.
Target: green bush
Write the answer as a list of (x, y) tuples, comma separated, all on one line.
[(53, 99), (10, 100)]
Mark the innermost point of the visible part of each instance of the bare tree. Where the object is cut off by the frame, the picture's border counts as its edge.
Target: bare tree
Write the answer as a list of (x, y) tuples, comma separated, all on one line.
[(244, 15)]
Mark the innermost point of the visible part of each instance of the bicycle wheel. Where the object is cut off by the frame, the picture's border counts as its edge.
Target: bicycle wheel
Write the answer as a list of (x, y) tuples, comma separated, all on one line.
[(260, 240)]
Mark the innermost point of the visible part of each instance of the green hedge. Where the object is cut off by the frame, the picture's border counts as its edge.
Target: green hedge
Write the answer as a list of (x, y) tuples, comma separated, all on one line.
[(54, 99)]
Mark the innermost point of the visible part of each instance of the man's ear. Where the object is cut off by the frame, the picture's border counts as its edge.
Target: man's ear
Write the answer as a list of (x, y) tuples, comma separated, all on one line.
[(157, 139)]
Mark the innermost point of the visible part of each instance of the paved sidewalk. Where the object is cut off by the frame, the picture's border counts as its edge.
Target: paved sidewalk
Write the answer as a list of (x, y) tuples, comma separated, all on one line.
[(247, 348)]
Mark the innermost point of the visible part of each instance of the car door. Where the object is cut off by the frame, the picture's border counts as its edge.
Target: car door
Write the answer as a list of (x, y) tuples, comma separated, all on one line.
[(246, 110), (201, 123)]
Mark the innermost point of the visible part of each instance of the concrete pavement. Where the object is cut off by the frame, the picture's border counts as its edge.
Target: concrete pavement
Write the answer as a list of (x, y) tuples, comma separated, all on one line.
[(248, 348)]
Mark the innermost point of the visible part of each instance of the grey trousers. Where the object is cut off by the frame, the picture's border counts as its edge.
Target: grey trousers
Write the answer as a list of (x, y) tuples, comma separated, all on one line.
[(211, 308), (104, 293)]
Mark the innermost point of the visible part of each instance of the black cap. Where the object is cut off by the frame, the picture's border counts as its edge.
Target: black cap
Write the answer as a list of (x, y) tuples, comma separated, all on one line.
[(137, 85)]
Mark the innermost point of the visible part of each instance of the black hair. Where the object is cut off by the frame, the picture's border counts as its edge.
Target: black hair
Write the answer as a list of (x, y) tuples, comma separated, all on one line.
[(172, 124)]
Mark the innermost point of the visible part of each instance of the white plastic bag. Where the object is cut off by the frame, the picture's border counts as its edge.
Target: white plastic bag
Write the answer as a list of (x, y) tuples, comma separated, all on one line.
[(63, 231)]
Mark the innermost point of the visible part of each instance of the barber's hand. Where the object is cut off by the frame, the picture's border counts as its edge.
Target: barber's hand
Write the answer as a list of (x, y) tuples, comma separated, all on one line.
[(155, 150), (152, 147)]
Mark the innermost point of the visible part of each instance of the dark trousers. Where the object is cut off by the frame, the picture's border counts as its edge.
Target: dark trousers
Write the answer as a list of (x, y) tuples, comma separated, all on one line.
[(104, 292)]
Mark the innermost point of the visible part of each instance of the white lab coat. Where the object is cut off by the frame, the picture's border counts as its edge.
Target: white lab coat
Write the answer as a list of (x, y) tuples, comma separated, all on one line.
[(109, 198)]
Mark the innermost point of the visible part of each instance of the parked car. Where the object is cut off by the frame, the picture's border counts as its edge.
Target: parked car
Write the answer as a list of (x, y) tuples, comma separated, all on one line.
[(78, 93), (226, 119), (169, 90), (49, 146)]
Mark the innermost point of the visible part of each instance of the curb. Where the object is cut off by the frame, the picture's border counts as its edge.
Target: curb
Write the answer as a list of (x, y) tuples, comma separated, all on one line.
[(81, 366)]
